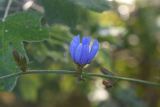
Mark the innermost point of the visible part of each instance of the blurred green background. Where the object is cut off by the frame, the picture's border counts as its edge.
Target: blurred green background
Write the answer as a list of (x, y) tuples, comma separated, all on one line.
[(129, 35)]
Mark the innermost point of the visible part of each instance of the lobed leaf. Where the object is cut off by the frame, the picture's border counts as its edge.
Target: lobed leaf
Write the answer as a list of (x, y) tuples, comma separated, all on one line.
[(15, 29)]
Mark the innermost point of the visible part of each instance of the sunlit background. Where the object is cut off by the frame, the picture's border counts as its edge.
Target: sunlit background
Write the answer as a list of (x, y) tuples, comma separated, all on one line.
[(129, 34)]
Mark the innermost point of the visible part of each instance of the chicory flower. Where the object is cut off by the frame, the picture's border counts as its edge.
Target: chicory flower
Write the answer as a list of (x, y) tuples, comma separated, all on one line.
[(83, 52)]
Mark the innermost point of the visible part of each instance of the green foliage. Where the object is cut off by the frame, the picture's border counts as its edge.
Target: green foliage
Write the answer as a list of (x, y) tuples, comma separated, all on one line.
[(54, 48), (130, 46), (71, 12), (30, 84), (63, 12), (15, 29), (95, 5)]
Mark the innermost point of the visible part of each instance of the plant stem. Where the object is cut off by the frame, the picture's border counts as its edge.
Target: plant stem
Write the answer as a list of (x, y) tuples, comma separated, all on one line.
[(60, 72), (7, 9), (124, 78), (74, 73), (79, 72)]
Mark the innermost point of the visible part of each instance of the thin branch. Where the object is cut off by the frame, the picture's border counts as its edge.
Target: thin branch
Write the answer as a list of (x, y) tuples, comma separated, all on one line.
[(74, 73), (124, 78), (7, 10), (10, 75)]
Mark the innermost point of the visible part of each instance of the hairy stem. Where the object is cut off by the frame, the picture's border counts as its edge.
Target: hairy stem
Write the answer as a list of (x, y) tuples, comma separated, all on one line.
[(74, 73)]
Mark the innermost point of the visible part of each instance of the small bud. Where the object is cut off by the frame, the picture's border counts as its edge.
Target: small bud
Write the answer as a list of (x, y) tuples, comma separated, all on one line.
[(20, 60), (110, 82), (16, 56), (107, 83), (106, 71)]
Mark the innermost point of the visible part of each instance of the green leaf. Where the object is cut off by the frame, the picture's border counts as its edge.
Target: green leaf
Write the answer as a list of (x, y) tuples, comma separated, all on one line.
[(95, 5), (71, 12), (56, 48), (68, 12), (15, 29)]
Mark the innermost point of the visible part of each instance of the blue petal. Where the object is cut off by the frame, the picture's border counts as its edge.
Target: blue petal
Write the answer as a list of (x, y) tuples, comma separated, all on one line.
[(73, 45), (93, 51), (86, 40), (78, 54), (85, 53)]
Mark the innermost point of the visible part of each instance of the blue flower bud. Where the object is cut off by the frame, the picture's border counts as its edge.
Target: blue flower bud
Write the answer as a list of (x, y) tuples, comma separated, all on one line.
[(83, 53)]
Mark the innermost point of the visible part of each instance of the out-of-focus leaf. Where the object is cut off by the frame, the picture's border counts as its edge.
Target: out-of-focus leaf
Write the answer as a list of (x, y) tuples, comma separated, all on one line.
[(55, 48), (66, 12), (105, 60), (127, 96), (30, 84), (15, 29), (96, 5)]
